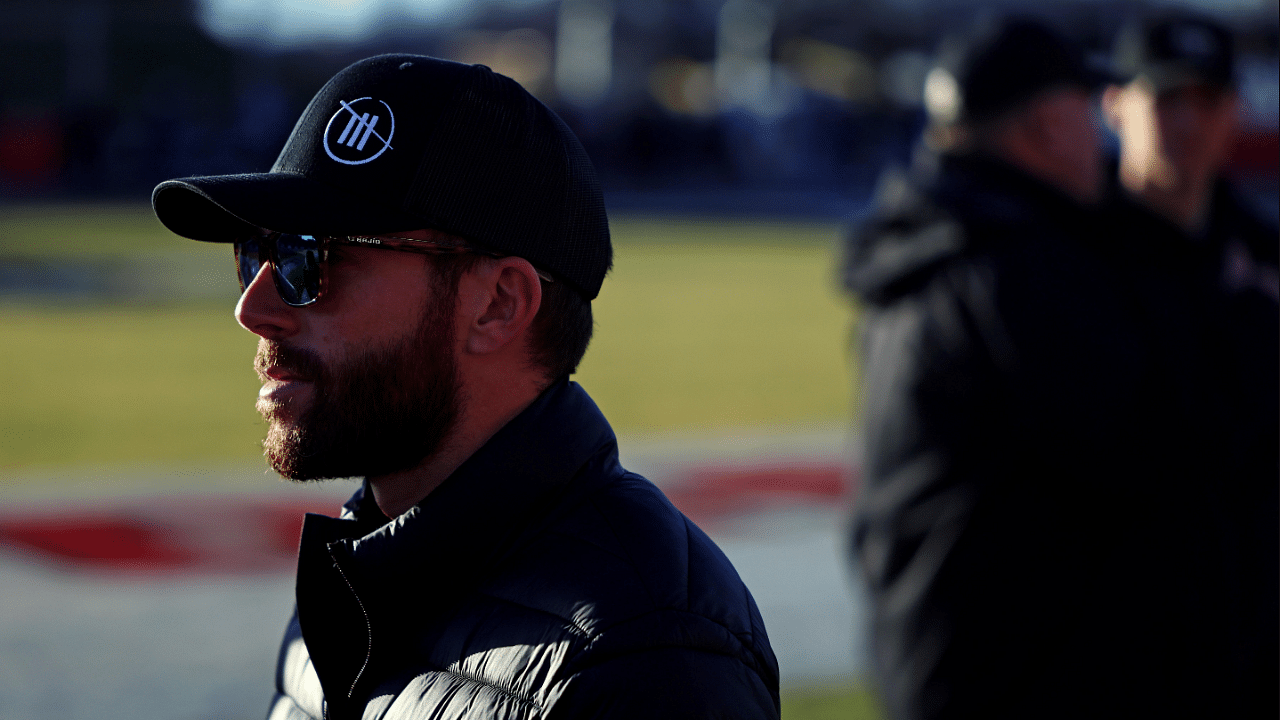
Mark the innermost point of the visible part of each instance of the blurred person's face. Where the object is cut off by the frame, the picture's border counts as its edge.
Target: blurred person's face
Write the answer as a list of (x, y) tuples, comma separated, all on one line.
[(363, 382), (1073, 141), (1173, 140)]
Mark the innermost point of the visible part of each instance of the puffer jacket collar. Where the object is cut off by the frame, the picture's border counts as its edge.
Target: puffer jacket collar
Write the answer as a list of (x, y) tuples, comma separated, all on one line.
[(361, 586)]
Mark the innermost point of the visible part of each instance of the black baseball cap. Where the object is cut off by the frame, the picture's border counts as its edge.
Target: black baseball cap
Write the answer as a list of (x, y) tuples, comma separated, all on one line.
[(1172, 51), (402, 142), (999, 62)]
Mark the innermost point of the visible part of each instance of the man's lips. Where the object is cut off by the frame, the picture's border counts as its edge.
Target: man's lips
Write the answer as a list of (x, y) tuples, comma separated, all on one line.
[(287, 374), (279, 383), (281, 374)]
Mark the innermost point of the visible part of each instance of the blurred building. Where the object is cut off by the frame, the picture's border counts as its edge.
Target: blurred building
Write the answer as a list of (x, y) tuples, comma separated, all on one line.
[(684, 104)]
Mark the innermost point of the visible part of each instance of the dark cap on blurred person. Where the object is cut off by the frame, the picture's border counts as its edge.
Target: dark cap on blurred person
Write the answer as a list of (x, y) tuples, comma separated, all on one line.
[(999, 63), (1175, 51)]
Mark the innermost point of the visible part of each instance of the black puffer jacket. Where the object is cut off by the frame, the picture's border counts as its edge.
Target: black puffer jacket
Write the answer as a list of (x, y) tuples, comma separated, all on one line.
[(1054, 523), (541, 580)]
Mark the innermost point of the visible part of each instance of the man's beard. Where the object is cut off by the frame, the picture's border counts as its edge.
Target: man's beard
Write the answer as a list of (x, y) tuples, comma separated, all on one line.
[(374, 412)]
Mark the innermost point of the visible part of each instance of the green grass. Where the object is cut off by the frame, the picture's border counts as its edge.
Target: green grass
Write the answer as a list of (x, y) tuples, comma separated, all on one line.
[(839, 702), (720, 325), (87, 232), (126, 384), (701, 326)]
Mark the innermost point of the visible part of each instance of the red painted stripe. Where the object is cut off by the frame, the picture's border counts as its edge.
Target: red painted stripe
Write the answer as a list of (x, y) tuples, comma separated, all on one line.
[(217, 535), (711, 495), (206, 536)]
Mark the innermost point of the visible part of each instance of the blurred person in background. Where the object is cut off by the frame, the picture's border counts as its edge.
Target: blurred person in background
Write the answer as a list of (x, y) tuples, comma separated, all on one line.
[(1044, 530), (419, 265), (1176, 114)]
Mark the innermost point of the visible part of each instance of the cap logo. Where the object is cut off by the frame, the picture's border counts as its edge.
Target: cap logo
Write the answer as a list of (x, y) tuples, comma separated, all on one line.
[(359, 137)]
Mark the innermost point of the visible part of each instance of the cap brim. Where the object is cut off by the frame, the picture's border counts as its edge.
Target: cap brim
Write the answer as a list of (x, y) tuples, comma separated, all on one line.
[(222, 208), (1174, 77)]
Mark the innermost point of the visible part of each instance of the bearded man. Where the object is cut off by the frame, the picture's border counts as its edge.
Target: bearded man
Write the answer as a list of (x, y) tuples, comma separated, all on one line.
[(419, 265)]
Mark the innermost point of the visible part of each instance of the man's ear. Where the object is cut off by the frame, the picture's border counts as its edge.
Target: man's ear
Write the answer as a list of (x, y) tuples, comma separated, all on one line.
[(504, 296)]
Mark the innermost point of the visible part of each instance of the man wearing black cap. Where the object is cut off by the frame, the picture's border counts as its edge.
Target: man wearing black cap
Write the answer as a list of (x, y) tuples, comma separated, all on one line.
[(1176, 116), (419, 265), (1028, 508)]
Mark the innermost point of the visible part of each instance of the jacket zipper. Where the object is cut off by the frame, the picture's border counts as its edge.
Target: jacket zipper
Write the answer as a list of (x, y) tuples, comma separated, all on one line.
[(368, 629)]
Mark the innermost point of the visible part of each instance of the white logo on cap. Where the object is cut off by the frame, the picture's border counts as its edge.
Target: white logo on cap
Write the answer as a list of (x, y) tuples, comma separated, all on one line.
[(359, 135)]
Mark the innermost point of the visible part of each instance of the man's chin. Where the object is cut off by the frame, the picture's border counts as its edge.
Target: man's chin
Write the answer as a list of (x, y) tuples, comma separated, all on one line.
[(288, 467), (278, 412), (297, 456), (283, 449)]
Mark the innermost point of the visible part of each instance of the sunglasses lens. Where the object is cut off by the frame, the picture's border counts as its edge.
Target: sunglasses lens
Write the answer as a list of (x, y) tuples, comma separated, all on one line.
[(297, 268), (247, 261)]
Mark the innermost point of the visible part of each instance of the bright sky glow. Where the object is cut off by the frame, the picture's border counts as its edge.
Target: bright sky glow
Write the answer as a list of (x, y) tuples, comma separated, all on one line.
[(294, 22)]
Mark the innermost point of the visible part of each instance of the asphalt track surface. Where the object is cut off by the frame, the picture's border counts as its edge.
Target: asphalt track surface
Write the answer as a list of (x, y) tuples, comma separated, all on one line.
[(147, 602)]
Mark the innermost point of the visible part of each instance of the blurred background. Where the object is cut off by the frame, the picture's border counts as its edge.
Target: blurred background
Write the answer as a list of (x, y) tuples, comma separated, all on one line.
[(145, 554), (696, 105)]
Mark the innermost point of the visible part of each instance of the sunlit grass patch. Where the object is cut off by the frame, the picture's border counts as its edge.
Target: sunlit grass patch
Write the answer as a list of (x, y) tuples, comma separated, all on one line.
[(126, 384), (848, 701), (720, 326), (87, 232)]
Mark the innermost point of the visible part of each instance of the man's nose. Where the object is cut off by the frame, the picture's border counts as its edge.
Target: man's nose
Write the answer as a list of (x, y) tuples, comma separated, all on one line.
[(262, 312)]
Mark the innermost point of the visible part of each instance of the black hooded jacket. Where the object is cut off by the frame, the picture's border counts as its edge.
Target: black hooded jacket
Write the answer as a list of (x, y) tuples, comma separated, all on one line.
[(1054, 523), (541, 580)]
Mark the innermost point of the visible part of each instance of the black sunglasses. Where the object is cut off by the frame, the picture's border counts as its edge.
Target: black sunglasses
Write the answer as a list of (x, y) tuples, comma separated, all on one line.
[(298, 261)]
